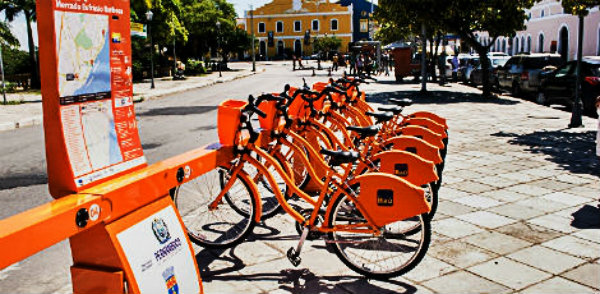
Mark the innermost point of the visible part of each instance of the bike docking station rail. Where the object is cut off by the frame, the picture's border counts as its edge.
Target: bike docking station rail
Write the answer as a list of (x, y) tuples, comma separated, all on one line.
[(125, 234)]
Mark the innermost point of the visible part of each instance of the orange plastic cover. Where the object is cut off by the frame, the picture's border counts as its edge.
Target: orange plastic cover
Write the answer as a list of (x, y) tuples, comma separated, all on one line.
[(423, 133), (417, 146), (428, 123), (409, 166), (387, 198), (431, 116)]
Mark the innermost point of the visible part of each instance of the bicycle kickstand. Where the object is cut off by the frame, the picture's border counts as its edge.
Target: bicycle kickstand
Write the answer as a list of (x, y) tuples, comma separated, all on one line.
[(293, 254)]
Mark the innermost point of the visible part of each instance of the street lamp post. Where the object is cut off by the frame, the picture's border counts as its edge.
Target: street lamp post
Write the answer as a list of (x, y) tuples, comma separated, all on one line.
[(219, 46), (149, 15), (252, 30), (576, 120), (2, 70)]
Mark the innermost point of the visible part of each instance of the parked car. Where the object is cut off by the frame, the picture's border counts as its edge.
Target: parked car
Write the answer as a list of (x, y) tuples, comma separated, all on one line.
[(468, 64), (558, 86), (521, 73), (496, 61)]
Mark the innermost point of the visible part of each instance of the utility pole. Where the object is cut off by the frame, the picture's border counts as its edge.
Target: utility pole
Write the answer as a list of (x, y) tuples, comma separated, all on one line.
[(2, 69), (423, 58), (252, 30), (576, 121)]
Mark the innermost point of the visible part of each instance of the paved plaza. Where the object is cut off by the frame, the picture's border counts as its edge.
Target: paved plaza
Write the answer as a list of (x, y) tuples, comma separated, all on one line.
[(518, 211)]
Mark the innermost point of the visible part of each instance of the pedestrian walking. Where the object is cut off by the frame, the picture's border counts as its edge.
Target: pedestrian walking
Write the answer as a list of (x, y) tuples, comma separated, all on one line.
[(442, 67), (293, 62), (335, 62), (386, 63), (455, 68)]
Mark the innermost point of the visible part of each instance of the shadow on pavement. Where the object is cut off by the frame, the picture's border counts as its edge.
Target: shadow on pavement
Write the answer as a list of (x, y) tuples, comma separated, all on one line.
[(587, 217), (22, 180), (178, 110), (574, 152), (437, 97)]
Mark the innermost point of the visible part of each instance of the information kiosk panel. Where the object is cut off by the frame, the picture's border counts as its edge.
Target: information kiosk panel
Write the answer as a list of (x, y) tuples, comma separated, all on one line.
[(89, 120)]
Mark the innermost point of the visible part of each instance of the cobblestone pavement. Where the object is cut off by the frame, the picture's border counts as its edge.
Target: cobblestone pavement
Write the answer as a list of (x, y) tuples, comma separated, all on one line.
[(518, 211)]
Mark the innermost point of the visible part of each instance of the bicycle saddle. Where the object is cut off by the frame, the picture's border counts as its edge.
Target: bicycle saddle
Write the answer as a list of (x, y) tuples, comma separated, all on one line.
[(381, 116), (341, 157), (364, 132), (401, 102), (394, 109)]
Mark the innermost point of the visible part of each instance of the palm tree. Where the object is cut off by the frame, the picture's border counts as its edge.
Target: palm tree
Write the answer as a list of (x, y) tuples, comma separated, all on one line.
[(6, 37), (12, 9)]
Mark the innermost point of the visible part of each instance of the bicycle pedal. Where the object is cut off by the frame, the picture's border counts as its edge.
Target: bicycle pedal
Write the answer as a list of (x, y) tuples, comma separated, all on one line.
[(293, 257)]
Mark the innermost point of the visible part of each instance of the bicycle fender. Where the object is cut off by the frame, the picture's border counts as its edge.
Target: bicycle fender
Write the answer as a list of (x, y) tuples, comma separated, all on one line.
[(385, 198), (406, 165), (423, 133), (427, 123), (417, 146), (430, 115)]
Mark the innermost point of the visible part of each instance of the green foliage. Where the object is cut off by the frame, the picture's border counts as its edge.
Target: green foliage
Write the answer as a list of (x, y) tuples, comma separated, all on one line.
[(194, 67), (6, 36), (15, 61), (200, 18), (326, 44), (579, 7), (166, 21)]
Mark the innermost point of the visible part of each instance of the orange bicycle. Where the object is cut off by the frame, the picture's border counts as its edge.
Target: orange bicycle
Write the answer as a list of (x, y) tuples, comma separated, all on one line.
[(369, 220)]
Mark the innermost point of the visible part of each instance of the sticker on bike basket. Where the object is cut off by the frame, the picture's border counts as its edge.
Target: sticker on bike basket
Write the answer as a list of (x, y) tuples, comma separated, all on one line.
[(94, 212), (385, 198), (411, 149), (401, 169), (187, 171)]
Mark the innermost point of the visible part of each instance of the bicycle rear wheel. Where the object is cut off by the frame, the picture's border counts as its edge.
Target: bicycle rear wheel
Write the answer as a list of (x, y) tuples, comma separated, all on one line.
[(223, 227), (377, 257)]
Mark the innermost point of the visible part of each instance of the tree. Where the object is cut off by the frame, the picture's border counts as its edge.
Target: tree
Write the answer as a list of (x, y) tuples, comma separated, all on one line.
[(6, 36), (463, 17), (327, 44), (496, 17), (200, 18), (12, 9)]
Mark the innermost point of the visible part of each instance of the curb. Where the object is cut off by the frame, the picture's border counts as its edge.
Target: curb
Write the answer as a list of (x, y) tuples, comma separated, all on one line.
[(209, 83), (26, 122), (37, 120)]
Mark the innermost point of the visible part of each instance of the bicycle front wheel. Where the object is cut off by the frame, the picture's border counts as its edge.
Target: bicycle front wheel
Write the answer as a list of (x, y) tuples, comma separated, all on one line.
[(378, 257), (223, 226)]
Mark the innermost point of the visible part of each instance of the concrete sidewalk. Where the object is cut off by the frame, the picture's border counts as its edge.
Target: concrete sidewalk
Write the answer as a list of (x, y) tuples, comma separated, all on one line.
[(29, 112)]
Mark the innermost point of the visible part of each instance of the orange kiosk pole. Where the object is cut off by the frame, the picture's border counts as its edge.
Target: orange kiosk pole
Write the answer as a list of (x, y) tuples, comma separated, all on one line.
[(126, 235)]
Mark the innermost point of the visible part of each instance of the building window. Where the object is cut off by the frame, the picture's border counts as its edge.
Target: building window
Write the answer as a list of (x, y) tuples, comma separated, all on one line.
[(279, 26), (529, 44), (334, 24), (261, 27), (297, 26), (541, 43), (315, 25), (543, 13), (364, 25)]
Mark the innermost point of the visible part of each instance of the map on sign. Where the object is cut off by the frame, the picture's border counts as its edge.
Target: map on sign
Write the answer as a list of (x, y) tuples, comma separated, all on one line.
[(100, 135), (82, 42)]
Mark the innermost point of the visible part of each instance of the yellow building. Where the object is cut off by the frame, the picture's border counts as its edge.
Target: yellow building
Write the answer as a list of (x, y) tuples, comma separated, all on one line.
[(289, 20)]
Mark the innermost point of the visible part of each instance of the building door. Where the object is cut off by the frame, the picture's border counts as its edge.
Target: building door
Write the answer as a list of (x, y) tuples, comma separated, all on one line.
[(280, 48), (298, 48), (263, 49), (563, 44)]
